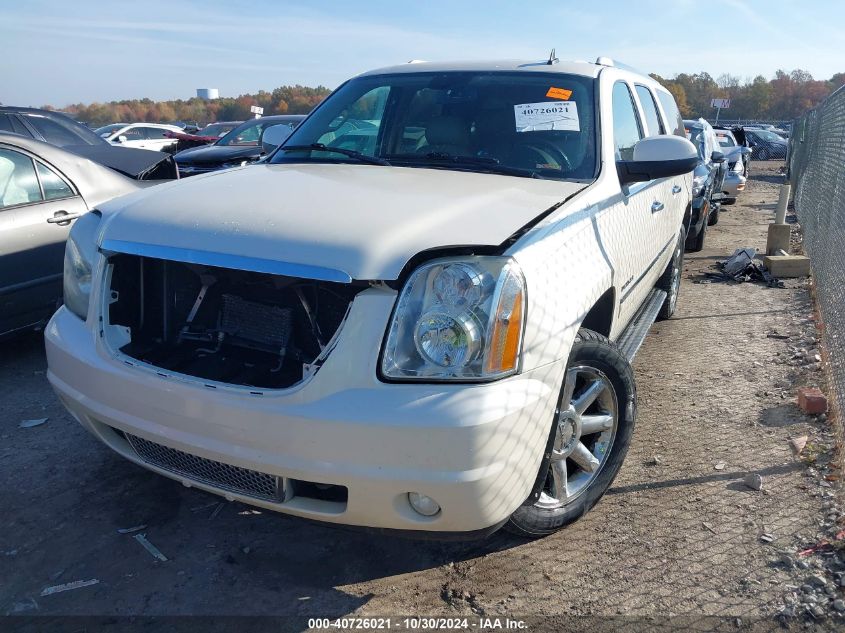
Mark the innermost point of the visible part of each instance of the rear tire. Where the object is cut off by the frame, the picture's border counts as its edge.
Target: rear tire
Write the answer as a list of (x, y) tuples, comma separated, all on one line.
[(670, 280), (585, 450)]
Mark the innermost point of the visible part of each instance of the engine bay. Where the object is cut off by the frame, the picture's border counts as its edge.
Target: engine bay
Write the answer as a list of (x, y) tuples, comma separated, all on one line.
[(225, 325)]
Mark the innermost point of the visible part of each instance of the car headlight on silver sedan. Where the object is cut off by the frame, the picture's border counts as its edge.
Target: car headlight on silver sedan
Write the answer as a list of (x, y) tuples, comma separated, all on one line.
[(457, 319), (80, 255)]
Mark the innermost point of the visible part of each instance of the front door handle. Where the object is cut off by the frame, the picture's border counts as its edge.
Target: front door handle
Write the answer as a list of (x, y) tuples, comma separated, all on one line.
[(676, 190), (63, 218), (657, 206)]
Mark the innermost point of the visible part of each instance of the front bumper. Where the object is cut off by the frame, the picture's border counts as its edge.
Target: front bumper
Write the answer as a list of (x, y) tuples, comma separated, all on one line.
[(475, 449)]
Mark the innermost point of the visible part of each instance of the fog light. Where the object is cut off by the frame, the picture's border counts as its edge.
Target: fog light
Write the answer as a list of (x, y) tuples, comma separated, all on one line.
[(426, 506)]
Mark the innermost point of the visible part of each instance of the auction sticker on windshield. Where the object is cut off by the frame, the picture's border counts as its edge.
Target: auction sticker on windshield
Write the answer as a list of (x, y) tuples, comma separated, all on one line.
[(532, 117)]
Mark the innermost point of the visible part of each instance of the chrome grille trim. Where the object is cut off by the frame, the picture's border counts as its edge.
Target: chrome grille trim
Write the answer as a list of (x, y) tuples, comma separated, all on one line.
[(244, 481)]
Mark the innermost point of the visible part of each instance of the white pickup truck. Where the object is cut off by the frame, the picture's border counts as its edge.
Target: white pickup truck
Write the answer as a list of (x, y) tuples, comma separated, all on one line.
[(417, 315)]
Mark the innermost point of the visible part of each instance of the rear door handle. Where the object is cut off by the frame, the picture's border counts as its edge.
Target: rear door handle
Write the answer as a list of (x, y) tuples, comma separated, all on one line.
[(657, 206), (676, 190), (63, 218)]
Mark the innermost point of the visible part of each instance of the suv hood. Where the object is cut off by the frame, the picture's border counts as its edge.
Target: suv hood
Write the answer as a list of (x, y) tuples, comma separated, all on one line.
[(215, 154), (329, 221)]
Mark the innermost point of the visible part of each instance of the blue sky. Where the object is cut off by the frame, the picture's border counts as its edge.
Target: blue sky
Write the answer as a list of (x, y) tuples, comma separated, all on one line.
[(60, 52)]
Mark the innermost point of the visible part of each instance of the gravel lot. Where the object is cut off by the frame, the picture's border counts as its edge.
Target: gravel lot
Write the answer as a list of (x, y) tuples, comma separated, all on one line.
[(679, 533)]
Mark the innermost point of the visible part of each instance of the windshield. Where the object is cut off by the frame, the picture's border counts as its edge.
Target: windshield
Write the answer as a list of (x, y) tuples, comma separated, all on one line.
[(248, 133), (215, 129), (766, 135), (725, 141), (523, 124), (108, 130)]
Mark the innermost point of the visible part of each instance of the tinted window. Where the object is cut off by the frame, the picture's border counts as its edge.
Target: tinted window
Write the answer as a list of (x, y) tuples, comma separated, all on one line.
[(5, 123), (515, 123), (654, 126), (54, 186), (18, 183), (626, 124), (54, 132), (673, 115)]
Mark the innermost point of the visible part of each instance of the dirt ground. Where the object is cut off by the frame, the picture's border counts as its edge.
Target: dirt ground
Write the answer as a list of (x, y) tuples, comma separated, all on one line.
[(679, 533)]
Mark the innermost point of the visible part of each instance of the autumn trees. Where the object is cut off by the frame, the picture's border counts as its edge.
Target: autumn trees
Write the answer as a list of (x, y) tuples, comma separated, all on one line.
[(781, 98)]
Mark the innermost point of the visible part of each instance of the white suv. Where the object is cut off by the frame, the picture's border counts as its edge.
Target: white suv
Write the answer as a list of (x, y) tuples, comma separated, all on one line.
[(417, 315)]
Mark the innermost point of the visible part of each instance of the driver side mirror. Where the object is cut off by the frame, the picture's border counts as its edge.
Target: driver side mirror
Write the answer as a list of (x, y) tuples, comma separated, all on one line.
[(745, 151), (121, 139), (658, 157), (274, 136), (717, 157)]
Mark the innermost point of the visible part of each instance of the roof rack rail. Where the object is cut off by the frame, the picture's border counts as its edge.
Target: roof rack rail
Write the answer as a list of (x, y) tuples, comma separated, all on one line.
[(612, 63)]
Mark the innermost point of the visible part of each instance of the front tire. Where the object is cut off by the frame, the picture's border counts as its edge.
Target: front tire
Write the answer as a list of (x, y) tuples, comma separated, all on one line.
[(696, 244), (763, 154), (588, 440), (713, 218)]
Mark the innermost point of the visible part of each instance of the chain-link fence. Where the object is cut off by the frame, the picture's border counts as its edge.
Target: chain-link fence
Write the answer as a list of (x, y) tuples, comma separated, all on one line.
[(817, 173)]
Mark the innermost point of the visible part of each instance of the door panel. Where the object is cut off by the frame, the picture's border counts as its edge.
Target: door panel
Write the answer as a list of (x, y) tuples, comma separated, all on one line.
[(31, 248)]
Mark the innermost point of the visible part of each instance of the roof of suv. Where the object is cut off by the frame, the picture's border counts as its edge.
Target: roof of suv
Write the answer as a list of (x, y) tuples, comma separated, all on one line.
[(585, 69)]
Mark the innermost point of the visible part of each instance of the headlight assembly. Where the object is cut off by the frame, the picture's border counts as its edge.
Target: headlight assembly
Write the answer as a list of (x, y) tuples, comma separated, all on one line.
[(457, 319), (698, 183), (80, 255)]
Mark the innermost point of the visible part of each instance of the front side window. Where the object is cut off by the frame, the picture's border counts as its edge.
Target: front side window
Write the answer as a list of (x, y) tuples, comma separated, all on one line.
[(654, 126), (626, 124), (155, 133), (54, 186), (539, 125), (247, 134), (18, 182)]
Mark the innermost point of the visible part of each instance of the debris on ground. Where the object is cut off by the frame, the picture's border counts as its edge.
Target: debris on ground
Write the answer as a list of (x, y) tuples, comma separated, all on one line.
[(68, 586), (797, 444), (812, 401), (767, 538), (28, 424), (152, 549), (743, 267), (719, 465), (753, 481), (709, 527), (130, 530)]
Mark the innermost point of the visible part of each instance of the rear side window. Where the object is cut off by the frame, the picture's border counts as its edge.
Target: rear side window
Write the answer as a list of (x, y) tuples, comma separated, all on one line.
[(5, 124), (54, 133), (54, 186), (626, 123), (654, 126), (673, 115), (18, 182)]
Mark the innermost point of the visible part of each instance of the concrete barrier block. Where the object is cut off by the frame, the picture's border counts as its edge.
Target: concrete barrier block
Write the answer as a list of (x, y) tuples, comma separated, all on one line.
[(784, 266)]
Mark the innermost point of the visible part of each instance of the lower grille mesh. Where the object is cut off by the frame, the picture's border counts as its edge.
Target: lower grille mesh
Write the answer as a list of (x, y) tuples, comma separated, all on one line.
[(247, 482)]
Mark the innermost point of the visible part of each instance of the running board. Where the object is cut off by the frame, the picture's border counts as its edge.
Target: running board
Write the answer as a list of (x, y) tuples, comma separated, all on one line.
[(632, 338)]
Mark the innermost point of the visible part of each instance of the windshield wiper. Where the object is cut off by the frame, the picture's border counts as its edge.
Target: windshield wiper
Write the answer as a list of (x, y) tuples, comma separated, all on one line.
[(487, 163), (320, 147)]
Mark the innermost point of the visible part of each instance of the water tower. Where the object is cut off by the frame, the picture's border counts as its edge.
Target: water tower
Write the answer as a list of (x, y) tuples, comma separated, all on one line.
[(208, 93)]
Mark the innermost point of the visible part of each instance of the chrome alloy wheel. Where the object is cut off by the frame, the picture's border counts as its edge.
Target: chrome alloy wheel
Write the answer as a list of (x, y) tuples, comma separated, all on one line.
[(675, 287), (585, 429)]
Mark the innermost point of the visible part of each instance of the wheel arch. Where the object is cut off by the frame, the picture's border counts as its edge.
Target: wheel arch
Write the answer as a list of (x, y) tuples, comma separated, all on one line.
[(600, 317)]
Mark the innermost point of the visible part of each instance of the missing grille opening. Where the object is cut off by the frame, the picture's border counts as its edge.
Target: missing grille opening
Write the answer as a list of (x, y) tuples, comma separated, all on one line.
[(224, 325)]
